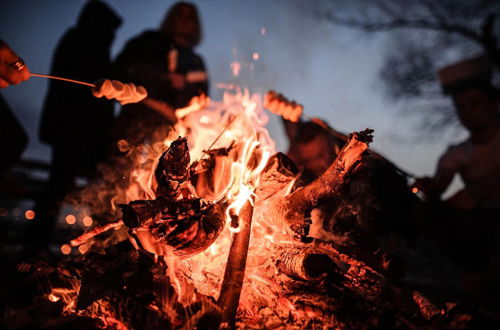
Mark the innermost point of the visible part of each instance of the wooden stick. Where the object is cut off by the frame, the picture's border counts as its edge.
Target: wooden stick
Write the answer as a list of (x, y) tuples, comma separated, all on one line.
[(60, 78), (94, 232), (235, 268)]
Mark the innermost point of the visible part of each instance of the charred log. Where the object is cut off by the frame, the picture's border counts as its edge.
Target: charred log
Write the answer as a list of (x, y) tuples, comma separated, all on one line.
[(172, 168), (185, 227)]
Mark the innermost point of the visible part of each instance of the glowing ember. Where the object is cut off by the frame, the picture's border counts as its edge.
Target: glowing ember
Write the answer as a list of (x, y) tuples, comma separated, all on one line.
[(29, 214), (52, 297), (70, 219), (83, 249), (414, 190), (87, 221), (65, 249), (235, 68)]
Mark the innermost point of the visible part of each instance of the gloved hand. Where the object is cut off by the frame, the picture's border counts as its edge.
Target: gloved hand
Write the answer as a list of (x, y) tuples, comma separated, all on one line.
[(123, 93)]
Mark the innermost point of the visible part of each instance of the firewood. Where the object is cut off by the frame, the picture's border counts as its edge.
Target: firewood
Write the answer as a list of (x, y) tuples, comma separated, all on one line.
[(280, 172), (291, 210), (185, 227), (235, 268), (305, 264), (94, 232), (173, 168)]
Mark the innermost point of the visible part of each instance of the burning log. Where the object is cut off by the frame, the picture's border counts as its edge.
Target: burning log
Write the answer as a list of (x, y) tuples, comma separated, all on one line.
[(175, 221), (291, 210), (278, 175), (172, 168), (235, 268), (305, 264), (185, 227)]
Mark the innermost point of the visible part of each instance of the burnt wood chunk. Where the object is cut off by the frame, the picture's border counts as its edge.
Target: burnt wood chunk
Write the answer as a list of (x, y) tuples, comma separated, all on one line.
[(173, 168), (185, 227)]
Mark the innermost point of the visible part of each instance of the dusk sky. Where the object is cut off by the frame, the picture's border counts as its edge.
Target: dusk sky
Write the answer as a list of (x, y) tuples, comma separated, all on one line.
[(331, 70)]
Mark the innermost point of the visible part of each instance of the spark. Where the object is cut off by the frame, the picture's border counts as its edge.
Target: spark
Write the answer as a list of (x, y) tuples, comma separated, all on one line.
[(29, 214)]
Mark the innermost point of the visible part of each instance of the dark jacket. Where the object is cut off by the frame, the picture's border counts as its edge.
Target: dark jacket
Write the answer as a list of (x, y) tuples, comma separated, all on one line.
[(71, 114), (145, 61)]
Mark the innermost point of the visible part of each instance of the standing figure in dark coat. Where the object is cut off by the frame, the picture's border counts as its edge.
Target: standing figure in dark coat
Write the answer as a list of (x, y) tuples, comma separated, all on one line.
[(13, 138), (75, 123), (164, 62)]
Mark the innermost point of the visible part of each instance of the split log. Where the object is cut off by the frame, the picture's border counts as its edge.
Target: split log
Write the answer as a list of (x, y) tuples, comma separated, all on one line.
[(291, 210), (278, 175)]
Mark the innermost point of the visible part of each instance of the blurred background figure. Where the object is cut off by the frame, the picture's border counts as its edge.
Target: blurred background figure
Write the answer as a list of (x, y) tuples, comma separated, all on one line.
[(477, 159), (467, 225), (13, 138), (163, 61), (75, 123)]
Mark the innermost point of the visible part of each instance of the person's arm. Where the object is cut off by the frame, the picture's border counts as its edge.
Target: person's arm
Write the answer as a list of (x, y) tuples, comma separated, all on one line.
[(434, 187), (12, 68)]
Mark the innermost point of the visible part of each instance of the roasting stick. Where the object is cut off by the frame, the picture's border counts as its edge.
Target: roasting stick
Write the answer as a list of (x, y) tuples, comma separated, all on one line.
[(60, 78), (271, 98), (219, 136)]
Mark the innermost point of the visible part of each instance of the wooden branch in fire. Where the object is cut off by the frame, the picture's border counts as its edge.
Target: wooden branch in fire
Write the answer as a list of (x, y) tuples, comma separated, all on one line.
[(291, 210), (235, 268)]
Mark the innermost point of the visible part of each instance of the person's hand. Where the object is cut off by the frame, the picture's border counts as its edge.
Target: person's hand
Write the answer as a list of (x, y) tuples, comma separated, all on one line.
[(462, 201), (123, 93), (424, 185), (13, 70)]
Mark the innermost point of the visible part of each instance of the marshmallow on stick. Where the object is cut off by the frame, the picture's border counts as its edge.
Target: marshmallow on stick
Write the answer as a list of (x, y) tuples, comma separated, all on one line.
[(280, 105), (123, 93)]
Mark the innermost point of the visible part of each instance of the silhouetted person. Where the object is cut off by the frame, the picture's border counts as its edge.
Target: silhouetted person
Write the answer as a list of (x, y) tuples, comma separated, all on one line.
[(13, 138), (163, 61), (74, 123), (477, 159), (467, 225)]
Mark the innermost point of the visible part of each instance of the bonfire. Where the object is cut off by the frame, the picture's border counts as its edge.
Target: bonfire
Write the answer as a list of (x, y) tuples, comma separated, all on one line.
[(216, 232)]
